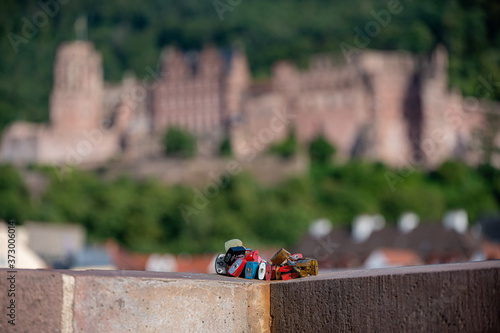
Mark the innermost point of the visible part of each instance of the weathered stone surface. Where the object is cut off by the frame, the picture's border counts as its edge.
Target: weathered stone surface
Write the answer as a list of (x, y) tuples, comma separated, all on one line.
[(437, 298), (169, 304), (38, 299), (123, 301)]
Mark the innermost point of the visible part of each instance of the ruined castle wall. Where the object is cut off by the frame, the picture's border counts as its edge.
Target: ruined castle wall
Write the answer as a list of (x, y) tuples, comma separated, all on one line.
[(332, 103), (92, 146), (261, 125), (190, 97), (394, 105), (193, 104)]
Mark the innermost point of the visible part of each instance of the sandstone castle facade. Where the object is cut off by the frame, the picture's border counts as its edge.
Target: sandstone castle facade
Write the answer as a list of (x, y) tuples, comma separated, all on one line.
[(388, 106)]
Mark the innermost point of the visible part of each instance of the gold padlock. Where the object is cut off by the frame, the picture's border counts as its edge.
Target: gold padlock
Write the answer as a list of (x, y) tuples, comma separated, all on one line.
[(310, 266), (280, 257), (302, 272), (278, 273)]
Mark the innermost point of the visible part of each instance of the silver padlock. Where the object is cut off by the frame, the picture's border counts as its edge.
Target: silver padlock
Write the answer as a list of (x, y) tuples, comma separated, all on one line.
[(262, 270), (220, 265)]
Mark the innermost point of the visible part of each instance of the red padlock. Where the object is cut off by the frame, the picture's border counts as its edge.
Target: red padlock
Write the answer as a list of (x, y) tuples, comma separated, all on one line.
[(289, 276), (285, 269), (237, 267), (269, 268), (273, 272), (297, 256), (252, 256)]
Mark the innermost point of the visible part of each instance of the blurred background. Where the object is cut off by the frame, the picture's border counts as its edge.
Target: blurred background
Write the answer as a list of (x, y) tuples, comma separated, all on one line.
[(143, 135)]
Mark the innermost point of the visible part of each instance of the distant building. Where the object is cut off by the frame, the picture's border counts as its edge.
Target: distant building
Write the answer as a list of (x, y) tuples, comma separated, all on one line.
[(425, 244), (388, 106), (58, 244), (385, 257), (25, 256)]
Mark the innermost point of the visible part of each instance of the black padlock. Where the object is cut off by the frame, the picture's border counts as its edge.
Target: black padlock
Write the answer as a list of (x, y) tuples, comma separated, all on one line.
[(234, 253)]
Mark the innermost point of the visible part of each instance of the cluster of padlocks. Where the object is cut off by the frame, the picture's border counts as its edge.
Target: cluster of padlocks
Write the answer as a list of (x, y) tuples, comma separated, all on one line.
[(240, 261)]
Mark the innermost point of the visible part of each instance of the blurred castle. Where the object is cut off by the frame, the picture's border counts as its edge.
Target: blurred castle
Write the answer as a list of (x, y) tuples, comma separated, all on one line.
[(388, 106)]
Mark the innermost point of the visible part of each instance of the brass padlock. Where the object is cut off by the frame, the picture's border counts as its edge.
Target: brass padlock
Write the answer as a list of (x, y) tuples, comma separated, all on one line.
[(310, 266), (302, 272), (278, 273), (280, 257)]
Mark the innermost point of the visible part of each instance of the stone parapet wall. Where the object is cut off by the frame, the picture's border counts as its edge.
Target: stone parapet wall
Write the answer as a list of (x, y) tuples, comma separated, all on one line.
[(461, 297), (447, 298), (132, 301)]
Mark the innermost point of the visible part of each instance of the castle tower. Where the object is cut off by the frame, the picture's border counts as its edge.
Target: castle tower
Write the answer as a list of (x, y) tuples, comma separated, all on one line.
[(76, 102), (237, 82), (440, 109), (390, 76)]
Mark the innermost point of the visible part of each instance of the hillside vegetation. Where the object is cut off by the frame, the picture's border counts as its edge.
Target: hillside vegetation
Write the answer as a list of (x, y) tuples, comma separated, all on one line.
[(148, 216)]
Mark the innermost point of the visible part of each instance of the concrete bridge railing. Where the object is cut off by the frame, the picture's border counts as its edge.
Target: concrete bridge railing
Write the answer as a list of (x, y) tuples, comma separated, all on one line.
[(438, 298)]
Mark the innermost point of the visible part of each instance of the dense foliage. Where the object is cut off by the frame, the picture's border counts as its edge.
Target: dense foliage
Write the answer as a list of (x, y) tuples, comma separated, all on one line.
[(321, 151), (225, 147), (287, 148), (148, 216), (179, 143), (131, 34)]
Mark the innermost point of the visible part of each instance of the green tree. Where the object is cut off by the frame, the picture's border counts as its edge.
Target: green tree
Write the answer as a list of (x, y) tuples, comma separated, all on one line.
[(463, 187), (225, 147), (287, 148), (321, 151), (145, 216), (14, 196), (179, 142), (488, 134), (425, 200)]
